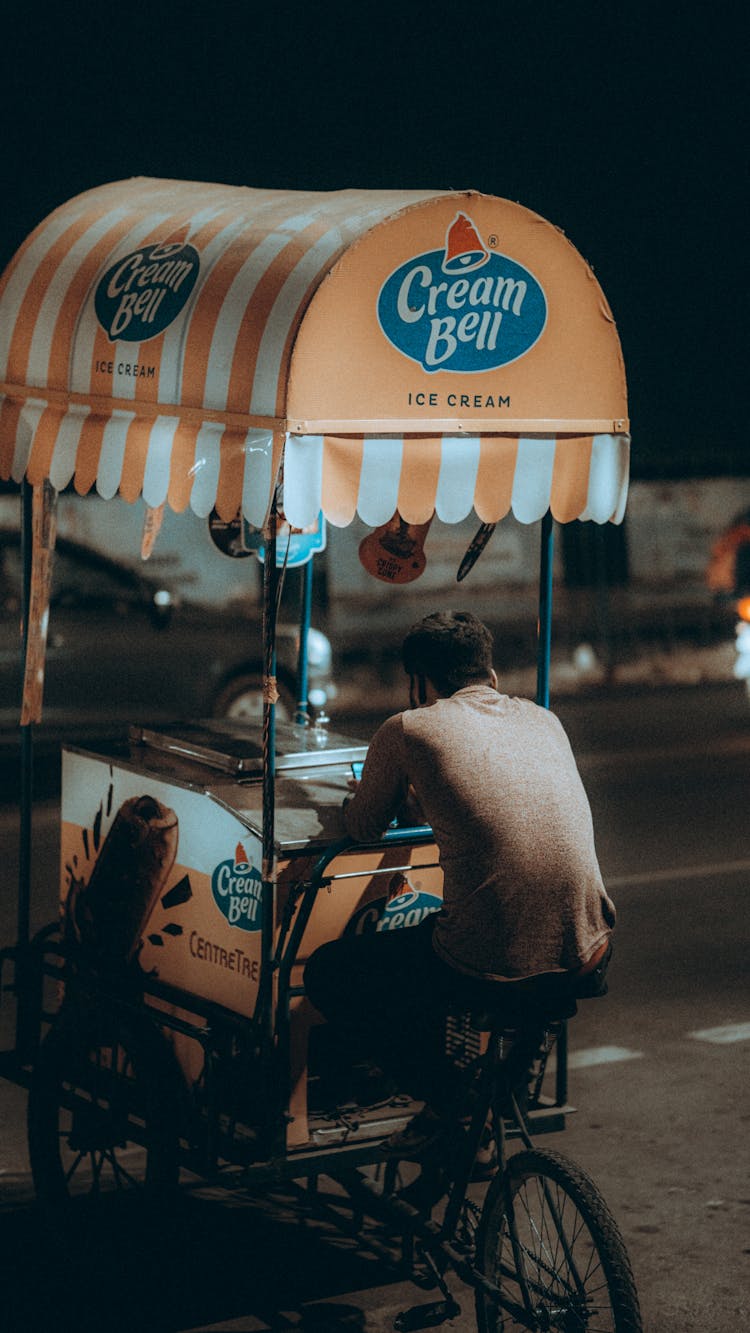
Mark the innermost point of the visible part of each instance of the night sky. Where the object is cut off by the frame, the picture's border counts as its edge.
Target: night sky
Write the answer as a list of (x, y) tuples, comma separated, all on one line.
[(622, 123)]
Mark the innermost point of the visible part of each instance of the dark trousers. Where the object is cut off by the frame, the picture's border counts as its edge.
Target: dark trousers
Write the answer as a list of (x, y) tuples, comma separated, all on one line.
[(387, 993)]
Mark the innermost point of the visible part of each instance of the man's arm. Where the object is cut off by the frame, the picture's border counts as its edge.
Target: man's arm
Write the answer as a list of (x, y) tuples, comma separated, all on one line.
[(384, 786)]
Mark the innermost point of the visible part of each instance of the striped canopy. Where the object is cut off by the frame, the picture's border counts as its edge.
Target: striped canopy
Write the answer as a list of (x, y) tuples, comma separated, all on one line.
[(422, 351)]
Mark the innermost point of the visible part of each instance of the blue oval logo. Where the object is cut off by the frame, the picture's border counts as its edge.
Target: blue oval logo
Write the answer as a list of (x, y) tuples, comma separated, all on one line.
[(237, 889), (465, 308), (408, 909), (140, 295), (405, 910)]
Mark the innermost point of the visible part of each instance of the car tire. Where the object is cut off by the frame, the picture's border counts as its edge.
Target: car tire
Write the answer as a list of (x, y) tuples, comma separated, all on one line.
[(241, 699)]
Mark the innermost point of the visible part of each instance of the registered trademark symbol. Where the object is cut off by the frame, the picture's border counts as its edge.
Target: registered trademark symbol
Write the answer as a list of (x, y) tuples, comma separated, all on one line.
[(492, 241)]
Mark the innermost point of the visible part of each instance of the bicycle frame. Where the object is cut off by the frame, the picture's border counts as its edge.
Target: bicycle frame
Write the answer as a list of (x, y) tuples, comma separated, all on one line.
[(494, 1086)]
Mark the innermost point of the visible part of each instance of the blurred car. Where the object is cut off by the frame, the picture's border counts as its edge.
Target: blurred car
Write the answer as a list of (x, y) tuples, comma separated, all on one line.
[(728, 577), (123, 648)]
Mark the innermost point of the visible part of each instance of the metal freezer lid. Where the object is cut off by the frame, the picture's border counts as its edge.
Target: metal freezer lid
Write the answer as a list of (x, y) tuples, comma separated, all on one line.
[(237, 748)]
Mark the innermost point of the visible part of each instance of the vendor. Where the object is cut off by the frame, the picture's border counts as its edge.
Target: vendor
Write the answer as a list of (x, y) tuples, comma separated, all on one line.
[(526, 920)]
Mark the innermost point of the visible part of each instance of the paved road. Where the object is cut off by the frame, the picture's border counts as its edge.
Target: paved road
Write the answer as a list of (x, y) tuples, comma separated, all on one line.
[(658, 1072)]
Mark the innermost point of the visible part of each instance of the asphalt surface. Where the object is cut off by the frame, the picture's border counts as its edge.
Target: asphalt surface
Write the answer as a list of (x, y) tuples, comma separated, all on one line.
[(658, 1073)]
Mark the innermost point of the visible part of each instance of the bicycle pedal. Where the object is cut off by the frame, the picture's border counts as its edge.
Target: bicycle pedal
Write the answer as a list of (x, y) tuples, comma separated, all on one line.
[(426, 1316), (423, 1277)]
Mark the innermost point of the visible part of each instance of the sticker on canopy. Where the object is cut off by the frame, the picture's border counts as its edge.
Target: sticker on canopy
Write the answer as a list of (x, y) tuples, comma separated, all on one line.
[(294, 546), (141, 295), (237, 888), (465, 308)]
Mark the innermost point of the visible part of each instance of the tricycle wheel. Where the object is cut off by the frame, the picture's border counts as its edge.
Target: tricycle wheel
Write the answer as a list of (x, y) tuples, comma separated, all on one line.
[(548, 1240), (102, 1117)]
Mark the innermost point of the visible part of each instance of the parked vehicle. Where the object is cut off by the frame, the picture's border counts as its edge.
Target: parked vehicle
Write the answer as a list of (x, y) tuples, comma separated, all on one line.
[(728, 576), (122, 645)]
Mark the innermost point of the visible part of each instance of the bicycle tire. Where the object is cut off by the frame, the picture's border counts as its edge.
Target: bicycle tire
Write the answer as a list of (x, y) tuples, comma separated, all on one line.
[(536, 1185), (94, 1139)]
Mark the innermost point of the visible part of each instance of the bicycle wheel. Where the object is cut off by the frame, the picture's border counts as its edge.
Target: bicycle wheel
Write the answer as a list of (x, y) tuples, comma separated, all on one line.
[(546, 1235), (102, 1117)]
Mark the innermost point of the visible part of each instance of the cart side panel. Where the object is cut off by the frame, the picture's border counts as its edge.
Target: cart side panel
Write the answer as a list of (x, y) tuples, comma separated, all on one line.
[(183, 873), (362, 882), (188, 869)]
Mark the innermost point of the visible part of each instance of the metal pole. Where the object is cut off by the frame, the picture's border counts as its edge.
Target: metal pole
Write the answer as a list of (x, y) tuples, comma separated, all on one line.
[(270, 591), (27, 781), (544, 651), (602, 600), (544, 627), (561, 1076), (304, 628), (274, 1128)]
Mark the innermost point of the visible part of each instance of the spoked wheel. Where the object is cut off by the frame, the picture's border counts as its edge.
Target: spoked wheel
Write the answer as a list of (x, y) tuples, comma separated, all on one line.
[(102, 1119), (549, 1242)]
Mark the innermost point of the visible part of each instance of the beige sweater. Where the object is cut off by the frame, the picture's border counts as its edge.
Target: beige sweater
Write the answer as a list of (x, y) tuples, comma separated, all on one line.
[(497, 781)]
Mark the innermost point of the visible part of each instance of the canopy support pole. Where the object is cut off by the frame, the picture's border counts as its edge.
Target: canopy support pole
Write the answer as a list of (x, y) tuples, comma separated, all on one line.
[(264, 1008), (544, 653), (544, 625), (27, 788), (301, 713), (270, 597)]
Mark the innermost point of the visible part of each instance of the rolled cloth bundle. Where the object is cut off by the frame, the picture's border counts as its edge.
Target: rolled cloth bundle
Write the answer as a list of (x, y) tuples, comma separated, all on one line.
[(108, 915)]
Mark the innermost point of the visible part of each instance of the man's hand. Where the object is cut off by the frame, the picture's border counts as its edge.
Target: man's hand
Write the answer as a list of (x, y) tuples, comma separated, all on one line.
[(410, 814)]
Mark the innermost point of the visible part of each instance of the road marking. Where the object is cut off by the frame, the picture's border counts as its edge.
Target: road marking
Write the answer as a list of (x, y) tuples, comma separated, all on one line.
[(728, 745), (723, 1036), (601, 1055), (679, 872)]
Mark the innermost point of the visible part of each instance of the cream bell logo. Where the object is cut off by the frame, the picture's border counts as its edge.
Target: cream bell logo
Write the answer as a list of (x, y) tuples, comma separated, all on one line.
[(408, 909), (236, 886), (405, 910), (465, 308), (142, 294)]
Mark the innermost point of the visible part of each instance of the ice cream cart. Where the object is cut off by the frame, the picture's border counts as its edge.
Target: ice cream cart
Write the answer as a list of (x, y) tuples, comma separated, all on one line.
[(273, 360)]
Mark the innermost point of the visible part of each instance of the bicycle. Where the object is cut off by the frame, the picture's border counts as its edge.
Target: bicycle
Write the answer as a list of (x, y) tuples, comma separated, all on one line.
[(543, 1252)]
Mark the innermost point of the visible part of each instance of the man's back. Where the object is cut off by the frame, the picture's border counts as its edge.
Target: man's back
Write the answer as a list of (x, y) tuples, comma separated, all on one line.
[(497, 781)]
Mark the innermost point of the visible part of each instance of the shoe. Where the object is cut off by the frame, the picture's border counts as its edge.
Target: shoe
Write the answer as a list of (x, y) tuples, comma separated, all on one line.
[(425, 1132), (485, 1162)]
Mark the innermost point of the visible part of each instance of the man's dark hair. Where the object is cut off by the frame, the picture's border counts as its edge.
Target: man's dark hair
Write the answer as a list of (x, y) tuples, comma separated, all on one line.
[(450, 648)]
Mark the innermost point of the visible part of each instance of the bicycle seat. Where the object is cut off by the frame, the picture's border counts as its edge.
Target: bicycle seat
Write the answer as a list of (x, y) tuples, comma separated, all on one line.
[(489, 1016)]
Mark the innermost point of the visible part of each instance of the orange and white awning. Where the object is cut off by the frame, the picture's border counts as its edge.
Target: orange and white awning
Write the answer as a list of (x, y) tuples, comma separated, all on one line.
[(375, 476), (422, 351)]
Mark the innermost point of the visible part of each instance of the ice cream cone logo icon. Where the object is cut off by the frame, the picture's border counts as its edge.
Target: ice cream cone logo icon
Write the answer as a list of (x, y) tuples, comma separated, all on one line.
[(464, 250), (172, 245), (240, 857)]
